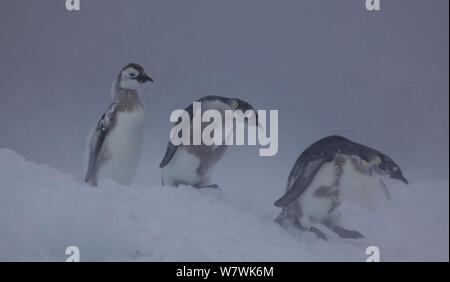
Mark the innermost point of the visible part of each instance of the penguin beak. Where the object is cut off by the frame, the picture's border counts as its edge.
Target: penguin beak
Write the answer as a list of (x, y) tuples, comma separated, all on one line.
[(401, 178), (143, 78)]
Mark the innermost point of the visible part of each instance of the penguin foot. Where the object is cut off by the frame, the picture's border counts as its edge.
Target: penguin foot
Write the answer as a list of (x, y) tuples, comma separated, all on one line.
[(284, 220), (319, 233), (345, 233), (314, 230), (92, 183), (280, 219), (206, 186)]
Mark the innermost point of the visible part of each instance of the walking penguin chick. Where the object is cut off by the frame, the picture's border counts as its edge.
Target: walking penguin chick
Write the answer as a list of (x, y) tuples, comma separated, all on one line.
[(323, 174), (114, 146), (191, 164)]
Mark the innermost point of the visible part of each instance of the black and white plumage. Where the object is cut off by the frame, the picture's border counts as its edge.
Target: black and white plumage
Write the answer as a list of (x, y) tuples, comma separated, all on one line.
[(115, 143), (322, 176), (191, 164)]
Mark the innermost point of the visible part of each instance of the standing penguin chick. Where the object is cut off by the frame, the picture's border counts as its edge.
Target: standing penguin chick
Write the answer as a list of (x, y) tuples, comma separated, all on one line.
[(191, 164), (321, 177), (115, 144)]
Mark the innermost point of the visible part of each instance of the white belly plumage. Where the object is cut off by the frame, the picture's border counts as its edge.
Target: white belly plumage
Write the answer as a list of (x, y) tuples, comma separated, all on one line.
[(123, 145), (365, 191), (315, 208), (357, 187), (181, 168)]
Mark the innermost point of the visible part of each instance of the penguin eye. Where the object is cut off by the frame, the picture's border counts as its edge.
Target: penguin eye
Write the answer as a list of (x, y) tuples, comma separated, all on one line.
[(132, 74)]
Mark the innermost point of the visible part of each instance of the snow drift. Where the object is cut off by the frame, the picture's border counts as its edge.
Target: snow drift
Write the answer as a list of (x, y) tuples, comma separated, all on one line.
[(43, 211)]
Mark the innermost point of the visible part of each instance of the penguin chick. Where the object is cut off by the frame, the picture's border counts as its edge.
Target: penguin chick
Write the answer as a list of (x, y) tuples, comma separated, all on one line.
[(321, 178), (191, 164), (114, 145)]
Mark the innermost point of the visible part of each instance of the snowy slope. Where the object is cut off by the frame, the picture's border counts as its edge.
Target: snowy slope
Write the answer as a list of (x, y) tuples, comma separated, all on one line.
[(43, 211)]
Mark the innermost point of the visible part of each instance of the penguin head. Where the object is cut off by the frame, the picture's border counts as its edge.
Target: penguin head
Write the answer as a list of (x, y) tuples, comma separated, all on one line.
[(238, 104), (389, 167), (132, 75)]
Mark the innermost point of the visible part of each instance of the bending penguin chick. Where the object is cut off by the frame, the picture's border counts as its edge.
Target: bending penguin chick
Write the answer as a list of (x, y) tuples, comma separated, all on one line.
[(321, 177), (191, 164), (114, 146)]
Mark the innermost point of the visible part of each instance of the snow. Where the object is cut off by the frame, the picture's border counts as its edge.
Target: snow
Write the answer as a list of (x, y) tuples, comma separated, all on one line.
[(43, 211)]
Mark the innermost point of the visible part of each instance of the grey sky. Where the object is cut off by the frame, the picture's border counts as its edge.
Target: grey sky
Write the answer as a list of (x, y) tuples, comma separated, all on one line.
[(329, 67)]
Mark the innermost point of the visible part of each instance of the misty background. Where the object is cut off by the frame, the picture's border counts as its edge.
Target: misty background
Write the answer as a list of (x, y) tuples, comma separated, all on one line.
[(329, 67)]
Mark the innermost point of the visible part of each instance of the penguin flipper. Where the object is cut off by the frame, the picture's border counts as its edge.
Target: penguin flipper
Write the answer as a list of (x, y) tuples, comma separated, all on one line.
[(97, 141), (385, 190), (171, 149), (301, 183)]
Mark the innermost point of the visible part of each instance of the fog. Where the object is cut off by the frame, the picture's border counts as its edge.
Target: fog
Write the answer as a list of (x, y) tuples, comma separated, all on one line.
[(329, 67)]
